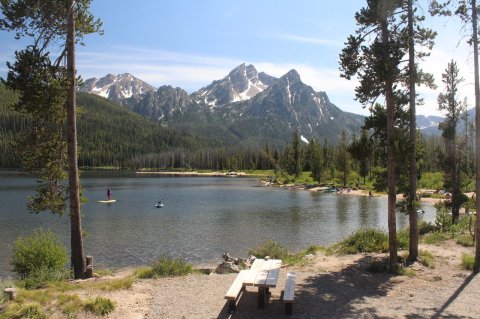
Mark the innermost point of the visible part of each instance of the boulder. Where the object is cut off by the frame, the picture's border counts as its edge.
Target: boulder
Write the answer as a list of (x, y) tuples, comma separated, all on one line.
[(227, 267)]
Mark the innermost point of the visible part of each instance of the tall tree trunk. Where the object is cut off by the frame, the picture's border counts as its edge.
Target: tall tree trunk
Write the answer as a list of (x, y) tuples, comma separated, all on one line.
[(76, 241), (476, 267), (412, 210), (392, 198)]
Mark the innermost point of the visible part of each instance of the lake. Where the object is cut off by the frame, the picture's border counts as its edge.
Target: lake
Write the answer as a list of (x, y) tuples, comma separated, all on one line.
[(203, 217)]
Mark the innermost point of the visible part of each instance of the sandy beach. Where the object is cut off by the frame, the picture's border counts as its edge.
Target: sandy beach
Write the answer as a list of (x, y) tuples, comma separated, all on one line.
[(328, 287)]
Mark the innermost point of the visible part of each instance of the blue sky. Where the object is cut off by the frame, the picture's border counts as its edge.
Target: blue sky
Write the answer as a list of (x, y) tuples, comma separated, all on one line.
[(191, 43)]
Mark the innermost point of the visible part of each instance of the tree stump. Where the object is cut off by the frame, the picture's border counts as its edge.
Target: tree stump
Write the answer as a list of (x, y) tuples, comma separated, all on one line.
[(89, 267), (11, 293)]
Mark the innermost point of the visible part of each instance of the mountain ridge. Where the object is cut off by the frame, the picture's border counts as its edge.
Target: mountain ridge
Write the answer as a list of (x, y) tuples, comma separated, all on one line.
[(246, 105)]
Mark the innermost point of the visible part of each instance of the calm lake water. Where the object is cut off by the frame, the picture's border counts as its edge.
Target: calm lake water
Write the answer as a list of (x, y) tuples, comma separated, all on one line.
[(203, 217)]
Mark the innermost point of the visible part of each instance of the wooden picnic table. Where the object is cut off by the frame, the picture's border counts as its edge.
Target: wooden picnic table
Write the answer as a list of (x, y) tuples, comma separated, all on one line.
[(264, 275)]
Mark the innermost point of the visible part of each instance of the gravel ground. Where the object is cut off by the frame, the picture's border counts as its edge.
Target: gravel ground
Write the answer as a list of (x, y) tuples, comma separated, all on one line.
[(328, 287)]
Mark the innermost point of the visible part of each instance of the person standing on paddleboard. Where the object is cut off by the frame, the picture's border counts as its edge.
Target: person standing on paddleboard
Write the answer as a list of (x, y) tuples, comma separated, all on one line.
[(109, 193)]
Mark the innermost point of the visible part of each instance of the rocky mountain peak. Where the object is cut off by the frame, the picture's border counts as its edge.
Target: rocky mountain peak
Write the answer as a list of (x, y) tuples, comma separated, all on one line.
[(241, 84), (292, 76), (116, 87)]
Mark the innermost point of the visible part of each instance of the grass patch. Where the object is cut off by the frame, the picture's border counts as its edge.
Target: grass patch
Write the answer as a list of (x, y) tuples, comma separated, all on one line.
[(435, 237), (104, 272), (426, 258), (468, 261), (100, 306), (70, 304), (32, 311), (465, 240), (383, 266), (276, 251), (114, 284), (363, 241), (164, 267)]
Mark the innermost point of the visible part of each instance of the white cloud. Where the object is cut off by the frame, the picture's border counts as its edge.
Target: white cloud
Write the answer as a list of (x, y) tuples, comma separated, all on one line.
[(311, 40), (436, 65), (190, 72)]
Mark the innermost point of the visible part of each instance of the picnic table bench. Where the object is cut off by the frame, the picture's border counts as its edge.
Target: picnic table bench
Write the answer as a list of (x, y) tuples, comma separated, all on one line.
[(289, 293), (263, 274)]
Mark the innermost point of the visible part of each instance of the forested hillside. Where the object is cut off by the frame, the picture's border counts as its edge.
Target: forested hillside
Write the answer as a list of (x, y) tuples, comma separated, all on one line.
[(109, 135)]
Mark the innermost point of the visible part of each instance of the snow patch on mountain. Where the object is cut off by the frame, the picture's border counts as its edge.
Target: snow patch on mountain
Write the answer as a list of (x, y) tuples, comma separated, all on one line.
[(304, 139), (241, 84)]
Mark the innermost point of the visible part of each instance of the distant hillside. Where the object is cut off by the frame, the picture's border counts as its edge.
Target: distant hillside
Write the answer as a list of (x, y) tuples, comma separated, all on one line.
[(109, 135)]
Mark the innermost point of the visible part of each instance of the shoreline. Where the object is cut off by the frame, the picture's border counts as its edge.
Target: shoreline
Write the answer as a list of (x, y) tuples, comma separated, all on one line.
[(195, 173)]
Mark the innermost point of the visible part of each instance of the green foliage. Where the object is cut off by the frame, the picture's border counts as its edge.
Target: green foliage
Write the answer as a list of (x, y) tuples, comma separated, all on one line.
[(270, 248), (364, 240), (431, 180), (426, 227), (443, 219), (39, 258), (468, 261), (100, 306), (379, 178), (165, 267), (403, 238)]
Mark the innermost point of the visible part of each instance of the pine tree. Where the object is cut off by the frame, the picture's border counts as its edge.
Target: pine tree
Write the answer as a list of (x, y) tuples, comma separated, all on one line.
[(50, 22), (376, 63)]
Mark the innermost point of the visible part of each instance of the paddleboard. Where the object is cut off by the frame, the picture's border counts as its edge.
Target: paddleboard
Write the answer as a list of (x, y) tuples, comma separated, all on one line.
[(107, 201)]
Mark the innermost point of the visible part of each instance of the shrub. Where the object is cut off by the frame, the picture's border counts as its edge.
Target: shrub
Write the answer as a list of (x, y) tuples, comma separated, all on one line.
[(403, 238), (443, 220), (270, 248), (39, 255), (364, 240), (425, 227), (468, 261), (100, 306), (40, 278)]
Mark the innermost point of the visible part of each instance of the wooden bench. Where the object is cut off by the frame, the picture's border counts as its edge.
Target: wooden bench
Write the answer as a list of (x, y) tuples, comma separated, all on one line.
[(289, 293), (235, 289)]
